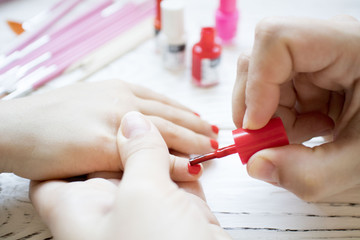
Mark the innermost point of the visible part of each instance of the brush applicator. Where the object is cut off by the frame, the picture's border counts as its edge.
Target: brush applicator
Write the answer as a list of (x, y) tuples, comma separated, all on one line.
[(248, 142)]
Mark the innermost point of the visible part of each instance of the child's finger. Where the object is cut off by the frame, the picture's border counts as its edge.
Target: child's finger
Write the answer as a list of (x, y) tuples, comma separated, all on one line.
[(148, 94), (44, 196), (182, 139), (238, 96), (181, 171), (178, 116)]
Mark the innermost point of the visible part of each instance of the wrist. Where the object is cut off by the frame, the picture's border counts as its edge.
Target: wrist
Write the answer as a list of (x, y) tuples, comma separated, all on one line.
[(10, 136)]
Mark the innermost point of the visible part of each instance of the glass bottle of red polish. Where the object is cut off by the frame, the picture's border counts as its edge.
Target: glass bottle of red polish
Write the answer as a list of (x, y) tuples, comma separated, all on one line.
[(206, 59)]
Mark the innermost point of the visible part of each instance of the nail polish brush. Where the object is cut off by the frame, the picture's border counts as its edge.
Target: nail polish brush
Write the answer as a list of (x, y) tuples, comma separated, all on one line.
[(248, 142)]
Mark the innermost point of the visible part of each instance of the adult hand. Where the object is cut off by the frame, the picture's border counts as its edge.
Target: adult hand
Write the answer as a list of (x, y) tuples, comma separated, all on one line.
[(307, 72), (144, 204), (72, 131)]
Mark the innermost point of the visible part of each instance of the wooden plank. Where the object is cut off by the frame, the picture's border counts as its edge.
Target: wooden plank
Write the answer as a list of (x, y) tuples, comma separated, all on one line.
[(246, 208)]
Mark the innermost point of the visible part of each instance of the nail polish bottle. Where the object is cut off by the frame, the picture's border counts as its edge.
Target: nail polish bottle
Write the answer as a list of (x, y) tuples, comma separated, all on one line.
[(172, 35), (157, 25), (157, 20), (206, 59), (248, 142), (227, 16)]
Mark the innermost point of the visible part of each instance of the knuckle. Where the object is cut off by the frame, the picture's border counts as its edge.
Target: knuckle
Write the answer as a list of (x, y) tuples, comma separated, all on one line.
[(269, 28), (171, 132), (174, 113), (143, 148)]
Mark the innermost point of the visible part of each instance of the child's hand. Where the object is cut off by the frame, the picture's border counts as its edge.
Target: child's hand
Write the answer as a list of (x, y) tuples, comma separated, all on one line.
[(72, 131), (144, 204), (307, 72)]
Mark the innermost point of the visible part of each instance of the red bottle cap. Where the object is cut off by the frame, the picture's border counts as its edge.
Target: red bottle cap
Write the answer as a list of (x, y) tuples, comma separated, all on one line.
[(248, 142), (207, 40), (157, 21)]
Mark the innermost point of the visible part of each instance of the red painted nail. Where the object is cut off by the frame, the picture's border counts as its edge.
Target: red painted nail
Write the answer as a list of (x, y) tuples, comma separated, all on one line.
[(214, 144), (194, 169), (197, 114), (215, 129)]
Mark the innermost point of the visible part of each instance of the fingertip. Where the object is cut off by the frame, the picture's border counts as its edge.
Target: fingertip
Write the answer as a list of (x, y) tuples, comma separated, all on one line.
[(208, 129), (254, 121), (261, 102), (182, 171), (238, 121), (215, 129), (262, 168), (245, 122), (194, 169), (134, 124), (143, 152), (44, 195), (299, 169), (214, 144)]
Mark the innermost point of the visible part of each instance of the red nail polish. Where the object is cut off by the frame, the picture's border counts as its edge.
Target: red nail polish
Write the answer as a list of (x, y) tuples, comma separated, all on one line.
[(197, 114), (194, 169), (214, 144), (215, 129), (248, 142), (206, 59)]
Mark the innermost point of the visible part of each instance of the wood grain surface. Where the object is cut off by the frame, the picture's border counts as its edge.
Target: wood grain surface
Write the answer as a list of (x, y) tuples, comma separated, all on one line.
[(246, 208)]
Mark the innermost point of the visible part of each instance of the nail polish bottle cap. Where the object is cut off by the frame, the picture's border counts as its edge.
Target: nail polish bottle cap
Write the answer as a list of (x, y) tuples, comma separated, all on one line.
[(207, 40), (227, 16), (157, 21), (172, 19), (227, 6), (248, 142)]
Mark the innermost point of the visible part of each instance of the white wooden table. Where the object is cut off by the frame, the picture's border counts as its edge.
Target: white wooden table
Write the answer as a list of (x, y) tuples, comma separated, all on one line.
[(245, 207)]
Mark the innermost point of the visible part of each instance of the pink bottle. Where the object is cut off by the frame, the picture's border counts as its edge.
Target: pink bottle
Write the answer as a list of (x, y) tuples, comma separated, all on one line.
[(227, 16)]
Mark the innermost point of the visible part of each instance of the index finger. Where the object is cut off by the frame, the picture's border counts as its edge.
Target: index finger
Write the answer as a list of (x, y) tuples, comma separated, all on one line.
[(283, 46)]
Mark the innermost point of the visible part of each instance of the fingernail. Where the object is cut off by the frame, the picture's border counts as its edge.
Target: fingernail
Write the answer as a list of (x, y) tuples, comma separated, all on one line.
[(245, 120), (263, 169), (214, 144), (194, 169), (215, 129), (134, 124), (197, 114)]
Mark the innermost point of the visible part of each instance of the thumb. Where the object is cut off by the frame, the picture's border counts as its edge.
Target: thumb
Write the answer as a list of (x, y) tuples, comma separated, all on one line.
[(310, 173), (143, 151)]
